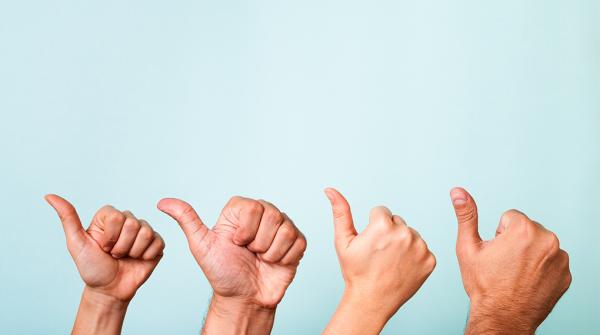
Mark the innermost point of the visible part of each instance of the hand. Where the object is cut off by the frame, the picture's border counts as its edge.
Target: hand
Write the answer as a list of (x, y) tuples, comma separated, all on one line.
[(249, 257), (114, 257), (383, 267), (513, 280)]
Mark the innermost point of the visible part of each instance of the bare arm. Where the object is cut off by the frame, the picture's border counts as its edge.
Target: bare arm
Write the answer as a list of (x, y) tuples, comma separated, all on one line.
[(249, 257), (383, 267), (114, 257), (513, 280), (231, 316), (99, 314)]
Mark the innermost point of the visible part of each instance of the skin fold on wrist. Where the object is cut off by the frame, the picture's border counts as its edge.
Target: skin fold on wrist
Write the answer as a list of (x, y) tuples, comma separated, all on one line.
[(99, 313), (231, 315)]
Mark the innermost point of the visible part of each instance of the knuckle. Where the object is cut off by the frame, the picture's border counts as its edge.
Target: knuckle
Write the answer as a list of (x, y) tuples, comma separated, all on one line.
[(340, 210), (431, 262), (273, 215), (287, 261), (269, 257), (568, 279), (69, 215), (235, 199), (116, 216), (106, 209), (187, 211), (553, 242), (420, 243), (467, 214), (404, 234), (288, 232), (511, 215), (259, 247), (380, 228), (398, 220), (380, 213), (132, 224), (161, 244), (303, 244), (146, 233), (254, 207)]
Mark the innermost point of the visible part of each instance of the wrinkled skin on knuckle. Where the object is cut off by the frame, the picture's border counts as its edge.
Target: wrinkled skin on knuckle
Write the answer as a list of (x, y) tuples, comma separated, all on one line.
[(187, 211), (115, 216), (268, 258), (258, 247), (131, 225), (273, 215), (235, 199), (467, 214), (146, 233), (288, 232), (254, 207), (290, 262)]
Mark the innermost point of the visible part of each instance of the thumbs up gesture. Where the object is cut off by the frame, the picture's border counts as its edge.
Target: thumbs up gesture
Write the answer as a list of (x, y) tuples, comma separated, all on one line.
[(249, 257), (383, 267), (114, 256), (513, 280)]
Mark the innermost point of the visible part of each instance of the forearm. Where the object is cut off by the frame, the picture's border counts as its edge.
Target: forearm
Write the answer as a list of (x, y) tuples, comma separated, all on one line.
[(487, 319), (233, 316), (356, 315), (99, 314)]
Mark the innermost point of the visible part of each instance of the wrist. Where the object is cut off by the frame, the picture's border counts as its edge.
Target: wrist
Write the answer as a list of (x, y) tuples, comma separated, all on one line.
[(232, 315), (99, 313), (103, 301), (374, 306), (359, 313), (487, 316)]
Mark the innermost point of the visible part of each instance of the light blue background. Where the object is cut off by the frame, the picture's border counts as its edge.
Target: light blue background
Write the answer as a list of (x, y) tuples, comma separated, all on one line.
[(393, 102)]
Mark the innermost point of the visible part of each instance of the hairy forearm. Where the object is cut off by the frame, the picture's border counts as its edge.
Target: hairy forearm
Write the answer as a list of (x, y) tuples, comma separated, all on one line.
[(356, 315), (233, 316), (485, 318), (99, 314)]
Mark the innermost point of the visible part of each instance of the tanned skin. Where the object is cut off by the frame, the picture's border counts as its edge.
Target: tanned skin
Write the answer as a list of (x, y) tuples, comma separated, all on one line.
[(249, 257), (513, 280)]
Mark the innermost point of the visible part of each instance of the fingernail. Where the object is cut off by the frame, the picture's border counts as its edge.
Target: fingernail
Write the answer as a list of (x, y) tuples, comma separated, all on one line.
[(459, 198)]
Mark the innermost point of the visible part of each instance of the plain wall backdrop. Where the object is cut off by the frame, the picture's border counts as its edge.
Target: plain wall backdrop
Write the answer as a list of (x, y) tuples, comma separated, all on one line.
[(392, 102)]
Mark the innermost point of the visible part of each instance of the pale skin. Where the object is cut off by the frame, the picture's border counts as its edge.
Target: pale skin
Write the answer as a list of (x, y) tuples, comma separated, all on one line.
[(513, 280), (115, 255), (249, 257), (383, 267)]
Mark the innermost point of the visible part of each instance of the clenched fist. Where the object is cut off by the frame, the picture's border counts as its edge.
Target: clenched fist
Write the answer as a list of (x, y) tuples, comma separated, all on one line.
[(114, 256), (383, 267), (513, 280), (249, 257)]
